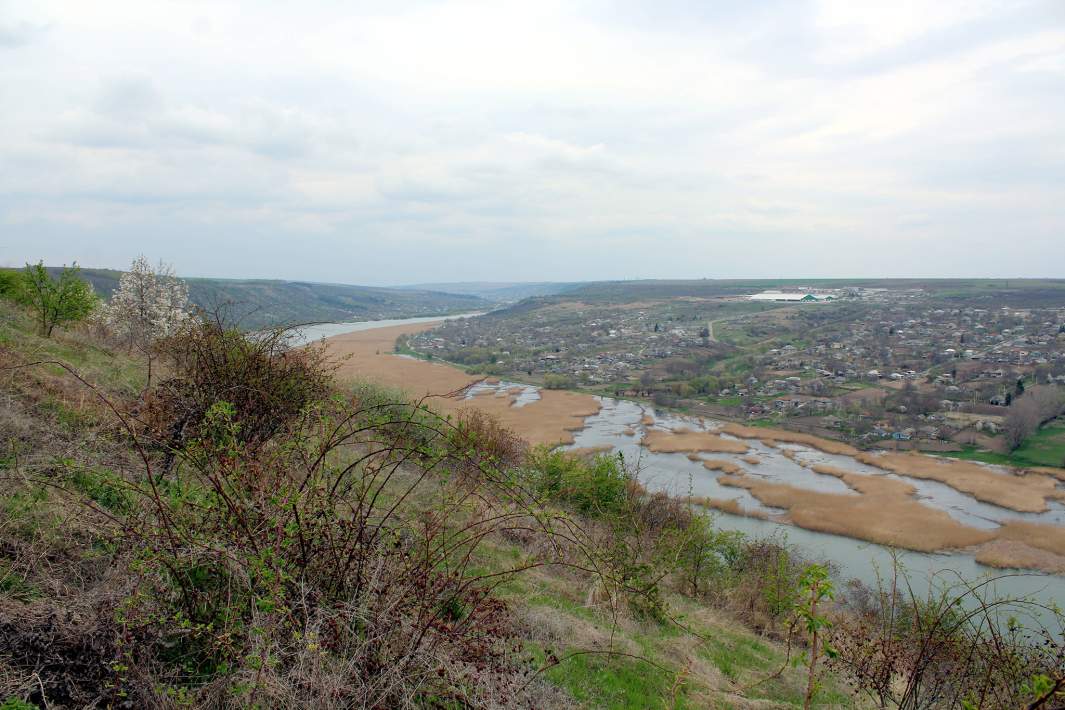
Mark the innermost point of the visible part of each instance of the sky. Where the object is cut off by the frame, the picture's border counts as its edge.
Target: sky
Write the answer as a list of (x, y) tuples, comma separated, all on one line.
[(403, 142)]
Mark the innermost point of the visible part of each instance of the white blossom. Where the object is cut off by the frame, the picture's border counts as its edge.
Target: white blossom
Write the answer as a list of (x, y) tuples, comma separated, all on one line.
[(149, 303)]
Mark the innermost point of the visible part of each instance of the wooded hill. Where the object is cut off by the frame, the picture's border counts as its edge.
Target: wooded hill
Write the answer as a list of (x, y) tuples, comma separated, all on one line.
[(265, 302)]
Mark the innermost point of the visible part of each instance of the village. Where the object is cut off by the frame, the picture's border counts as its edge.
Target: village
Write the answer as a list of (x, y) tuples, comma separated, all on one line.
[(862, 365)]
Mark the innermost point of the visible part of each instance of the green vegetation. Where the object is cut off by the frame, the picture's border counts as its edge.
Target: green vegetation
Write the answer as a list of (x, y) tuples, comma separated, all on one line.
[(260, 536), (1046, 447), (559, 382), (55, 301), (263, 303)]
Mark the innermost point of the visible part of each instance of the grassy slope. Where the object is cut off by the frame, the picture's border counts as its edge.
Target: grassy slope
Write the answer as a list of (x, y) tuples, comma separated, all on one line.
[(700, 672), (712, 666)]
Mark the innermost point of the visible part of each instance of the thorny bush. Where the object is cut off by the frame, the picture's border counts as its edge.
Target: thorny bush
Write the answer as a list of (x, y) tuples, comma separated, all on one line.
[(268, 383), (958, 644), (284, 543)]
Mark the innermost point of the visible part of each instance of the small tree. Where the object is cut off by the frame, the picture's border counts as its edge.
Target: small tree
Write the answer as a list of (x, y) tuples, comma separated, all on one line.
[(149, 304), (67, 299)]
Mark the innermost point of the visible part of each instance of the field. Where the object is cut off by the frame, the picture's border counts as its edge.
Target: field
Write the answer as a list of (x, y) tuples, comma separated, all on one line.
[(1044, 448)]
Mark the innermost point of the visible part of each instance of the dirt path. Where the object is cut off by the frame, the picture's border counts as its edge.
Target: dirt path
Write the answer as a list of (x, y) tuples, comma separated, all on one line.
[(368, 355)]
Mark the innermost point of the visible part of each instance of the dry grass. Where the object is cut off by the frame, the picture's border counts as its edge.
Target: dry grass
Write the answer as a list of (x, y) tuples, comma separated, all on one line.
[(1014, 554), (685, 440), (731, 506), (552, 419), (368, 353), (1026, 494), (720, 465), (1058, 473), (766, 435), (884, 513), (1049, 538)]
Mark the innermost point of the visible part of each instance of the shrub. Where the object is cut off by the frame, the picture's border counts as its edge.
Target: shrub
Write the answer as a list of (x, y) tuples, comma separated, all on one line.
[(10, 282), (956, 645), (302, 546), (558, 382), (267, 383), (308, 582), (704, 555), (484, 444), (597, 487)]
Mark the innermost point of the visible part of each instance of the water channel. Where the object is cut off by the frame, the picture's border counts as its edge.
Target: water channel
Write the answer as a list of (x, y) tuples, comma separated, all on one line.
[(621, 424)]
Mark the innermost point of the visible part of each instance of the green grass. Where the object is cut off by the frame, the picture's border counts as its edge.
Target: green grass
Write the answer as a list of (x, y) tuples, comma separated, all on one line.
[(16, 586), (973, 453), (600, 680), (664, 652), (1044, 448), (113, 370)]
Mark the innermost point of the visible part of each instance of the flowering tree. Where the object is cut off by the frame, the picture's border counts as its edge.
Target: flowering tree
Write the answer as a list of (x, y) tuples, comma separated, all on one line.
[(149, 304)]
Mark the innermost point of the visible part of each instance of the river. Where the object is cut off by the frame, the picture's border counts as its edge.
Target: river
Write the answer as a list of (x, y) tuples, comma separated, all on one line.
[(621, 424), (317, 331)]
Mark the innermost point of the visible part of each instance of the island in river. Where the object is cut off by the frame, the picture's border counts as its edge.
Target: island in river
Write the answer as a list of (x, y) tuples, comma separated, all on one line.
[(1000, 517)]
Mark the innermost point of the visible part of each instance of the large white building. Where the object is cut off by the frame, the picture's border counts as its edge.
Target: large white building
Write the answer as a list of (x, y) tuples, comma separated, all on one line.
[(792, 296)]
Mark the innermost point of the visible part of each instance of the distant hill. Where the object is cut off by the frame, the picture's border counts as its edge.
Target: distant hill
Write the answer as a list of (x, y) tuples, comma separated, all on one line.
[(1013, 292), (500, 291), (260, 302)]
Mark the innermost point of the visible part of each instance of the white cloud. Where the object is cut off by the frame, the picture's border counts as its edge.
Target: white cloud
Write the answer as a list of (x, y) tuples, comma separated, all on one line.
[(374, 143)]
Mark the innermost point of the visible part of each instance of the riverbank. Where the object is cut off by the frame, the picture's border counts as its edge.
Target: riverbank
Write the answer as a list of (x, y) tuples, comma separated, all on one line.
[(369, 354), (998, 517)]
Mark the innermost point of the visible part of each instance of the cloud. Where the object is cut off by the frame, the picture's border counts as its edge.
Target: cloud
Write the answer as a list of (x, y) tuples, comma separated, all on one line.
[(14, 35), (563, 140)]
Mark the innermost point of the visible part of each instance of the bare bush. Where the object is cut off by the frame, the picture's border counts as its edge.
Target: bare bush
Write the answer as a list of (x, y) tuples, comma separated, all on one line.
[(288, 544), (956, 645), (268, 383)]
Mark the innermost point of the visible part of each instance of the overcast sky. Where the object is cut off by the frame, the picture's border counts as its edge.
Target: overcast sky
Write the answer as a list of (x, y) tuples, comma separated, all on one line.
[(403, 142)]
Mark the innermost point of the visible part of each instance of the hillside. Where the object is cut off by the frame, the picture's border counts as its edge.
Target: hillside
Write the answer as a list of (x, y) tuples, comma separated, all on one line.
[(501, 291), (100, 621), (259, 302), (246, 530), (1013, 292)]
